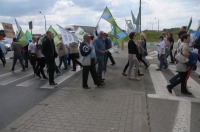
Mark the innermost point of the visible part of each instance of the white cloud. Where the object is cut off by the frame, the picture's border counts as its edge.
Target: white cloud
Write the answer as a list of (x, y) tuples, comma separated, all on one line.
[(171, 13)]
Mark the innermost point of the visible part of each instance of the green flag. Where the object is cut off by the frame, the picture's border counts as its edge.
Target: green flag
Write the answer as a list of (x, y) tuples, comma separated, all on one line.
[(20, 34), (23, 41), (55, 34), (189, 25), (108, 16), (28, 36)]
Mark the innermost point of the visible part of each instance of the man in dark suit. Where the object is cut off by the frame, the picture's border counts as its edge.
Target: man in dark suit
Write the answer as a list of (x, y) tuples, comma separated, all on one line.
[(48, 49)]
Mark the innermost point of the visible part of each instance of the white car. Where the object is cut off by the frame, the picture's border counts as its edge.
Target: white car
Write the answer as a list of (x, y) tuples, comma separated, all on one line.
[(7, 45)]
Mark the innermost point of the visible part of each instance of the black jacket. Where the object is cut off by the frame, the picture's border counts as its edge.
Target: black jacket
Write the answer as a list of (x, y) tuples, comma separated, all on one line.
[(48, 49), (132, 48)]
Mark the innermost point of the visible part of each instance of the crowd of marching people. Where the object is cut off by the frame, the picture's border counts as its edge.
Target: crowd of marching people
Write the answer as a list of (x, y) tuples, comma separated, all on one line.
[(185, 57), (42, 51), (92, 56)]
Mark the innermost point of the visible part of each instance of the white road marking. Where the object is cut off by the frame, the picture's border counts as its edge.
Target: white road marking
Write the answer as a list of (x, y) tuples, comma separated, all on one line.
[(152, 55), (13, 79), (28, 82), (10, 73), (61, 79), (195, 87), (158, 80), (175, 98), (182, 120)]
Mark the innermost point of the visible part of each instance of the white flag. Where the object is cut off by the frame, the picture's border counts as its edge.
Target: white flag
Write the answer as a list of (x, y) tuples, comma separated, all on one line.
[(130, 27), (18, 26), (67, 37), (79, 33)]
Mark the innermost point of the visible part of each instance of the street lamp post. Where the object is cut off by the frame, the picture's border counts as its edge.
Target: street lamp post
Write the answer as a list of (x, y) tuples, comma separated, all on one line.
[(158, 24), (151, 23), (44, 20)]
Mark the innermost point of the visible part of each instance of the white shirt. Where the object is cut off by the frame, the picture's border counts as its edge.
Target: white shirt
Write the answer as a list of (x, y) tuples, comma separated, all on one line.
[(161, 47), (31, 47)]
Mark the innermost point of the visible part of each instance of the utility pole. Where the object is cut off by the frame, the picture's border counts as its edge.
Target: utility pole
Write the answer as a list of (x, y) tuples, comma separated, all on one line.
[(44, 20), (140, 16)]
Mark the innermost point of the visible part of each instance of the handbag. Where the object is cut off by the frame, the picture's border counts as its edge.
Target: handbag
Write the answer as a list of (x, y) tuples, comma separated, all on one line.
[(180, 58)]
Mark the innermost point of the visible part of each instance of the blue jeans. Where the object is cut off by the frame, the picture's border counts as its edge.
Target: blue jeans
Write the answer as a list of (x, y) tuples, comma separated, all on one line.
[(174, 78), (100, 61), (162, 61)]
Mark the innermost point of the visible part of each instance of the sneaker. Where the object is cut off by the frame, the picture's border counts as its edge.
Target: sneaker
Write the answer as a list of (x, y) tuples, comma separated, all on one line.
[(147, 66), (23, 70), (124, 74), (158, 69), (53, 84), (87, 87), (101, 84), (140, 74), (45, 77), (169, 89), (112, 64), (187, 93), (38, 75)]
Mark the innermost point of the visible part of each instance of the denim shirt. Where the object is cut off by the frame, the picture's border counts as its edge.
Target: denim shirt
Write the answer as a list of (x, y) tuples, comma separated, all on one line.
[(99, 45)]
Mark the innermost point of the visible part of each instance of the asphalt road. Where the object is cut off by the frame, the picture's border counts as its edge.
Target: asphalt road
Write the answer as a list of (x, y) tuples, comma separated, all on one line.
[(21, 91)]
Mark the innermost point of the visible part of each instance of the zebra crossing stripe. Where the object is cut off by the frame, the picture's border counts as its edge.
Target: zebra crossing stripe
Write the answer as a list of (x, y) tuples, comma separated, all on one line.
[(152, 55), (13, 79), (9, 73), (195, 87), (182, 120), (60, 79), (28, 82), (158, 80)]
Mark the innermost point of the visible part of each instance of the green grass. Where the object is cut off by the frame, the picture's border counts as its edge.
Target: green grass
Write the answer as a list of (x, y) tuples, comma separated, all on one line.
[(152, 36)]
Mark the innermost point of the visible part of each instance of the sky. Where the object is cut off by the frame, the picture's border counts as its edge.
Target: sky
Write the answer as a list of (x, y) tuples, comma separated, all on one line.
[(171, 13)]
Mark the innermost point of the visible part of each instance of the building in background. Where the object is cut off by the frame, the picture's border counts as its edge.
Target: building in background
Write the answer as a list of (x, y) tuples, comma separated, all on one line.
[(73, 28)]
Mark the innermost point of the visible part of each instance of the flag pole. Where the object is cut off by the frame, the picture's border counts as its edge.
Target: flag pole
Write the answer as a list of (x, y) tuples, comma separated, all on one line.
[(140, 17)]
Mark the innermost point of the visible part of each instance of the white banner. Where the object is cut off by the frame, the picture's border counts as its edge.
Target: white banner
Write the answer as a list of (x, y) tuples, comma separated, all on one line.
[(67, 37), (79, 33), (8, 29), (130, 27)]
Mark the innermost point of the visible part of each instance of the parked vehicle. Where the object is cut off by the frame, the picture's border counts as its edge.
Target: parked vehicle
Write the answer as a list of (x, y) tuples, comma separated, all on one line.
[(7, 45)]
